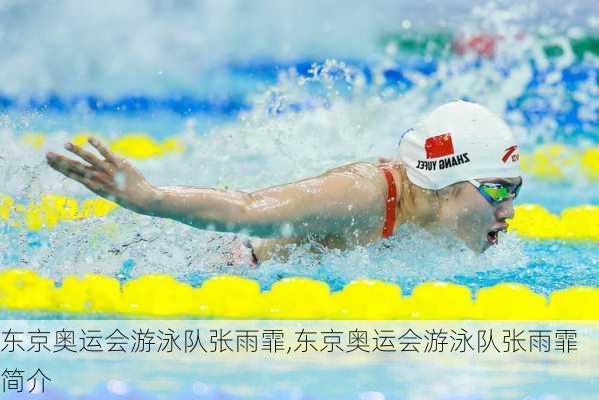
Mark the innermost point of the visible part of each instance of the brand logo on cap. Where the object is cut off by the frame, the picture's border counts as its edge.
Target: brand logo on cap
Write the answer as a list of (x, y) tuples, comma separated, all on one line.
[(438, 146), (510, 152)]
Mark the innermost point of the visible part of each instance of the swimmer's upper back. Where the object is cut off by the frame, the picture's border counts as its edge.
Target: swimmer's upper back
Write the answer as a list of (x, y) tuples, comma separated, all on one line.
[(362, 195)]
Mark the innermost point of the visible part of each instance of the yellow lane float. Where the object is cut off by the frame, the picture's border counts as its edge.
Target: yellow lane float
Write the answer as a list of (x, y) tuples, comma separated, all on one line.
[(557, 162), (575, 223), (138, 146), (235, 297), (551, 161), (50, 210), (531, 220)]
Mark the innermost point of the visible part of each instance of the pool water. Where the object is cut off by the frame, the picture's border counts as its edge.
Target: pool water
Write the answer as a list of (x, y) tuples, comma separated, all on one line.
[(274, 142), (263, 94)]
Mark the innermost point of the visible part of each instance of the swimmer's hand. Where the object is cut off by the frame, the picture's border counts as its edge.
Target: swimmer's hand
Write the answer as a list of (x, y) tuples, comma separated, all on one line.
[(109, 176)]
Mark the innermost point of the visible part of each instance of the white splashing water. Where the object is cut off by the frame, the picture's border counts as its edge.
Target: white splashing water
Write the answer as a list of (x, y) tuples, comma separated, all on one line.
[(260, 149), (342, 121), (117, 47)]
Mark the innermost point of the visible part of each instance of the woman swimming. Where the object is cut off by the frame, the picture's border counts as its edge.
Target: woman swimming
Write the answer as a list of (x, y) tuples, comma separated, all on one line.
[(458, 168)]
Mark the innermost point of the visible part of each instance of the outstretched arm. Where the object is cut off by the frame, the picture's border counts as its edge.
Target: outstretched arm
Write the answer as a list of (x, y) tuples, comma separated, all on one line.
[(343, 199)]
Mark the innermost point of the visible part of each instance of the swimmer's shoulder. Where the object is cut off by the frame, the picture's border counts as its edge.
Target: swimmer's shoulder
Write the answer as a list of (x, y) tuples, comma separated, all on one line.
[(370, 175), (370, 168), (367, 168)]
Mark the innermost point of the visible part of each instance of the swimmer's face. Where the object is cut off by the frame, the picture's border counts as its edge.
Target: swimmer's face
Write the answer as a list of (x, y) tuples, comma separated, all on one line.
[(476, 221)]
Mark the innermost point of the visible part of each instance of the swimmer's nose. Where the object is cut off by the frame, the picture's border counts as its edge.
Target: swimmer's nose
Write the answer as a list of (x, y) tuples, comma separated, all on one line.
[(505, 210)]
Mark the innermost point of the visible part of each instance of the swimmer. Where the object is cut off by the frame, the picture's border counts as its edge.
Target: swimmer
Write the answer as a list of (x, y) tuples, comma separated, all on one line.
[(457, 169)]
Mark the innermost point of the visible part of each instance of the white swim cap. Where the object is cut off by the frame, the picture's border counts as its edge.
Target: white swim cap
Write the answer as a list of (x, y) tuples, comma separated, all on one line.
[(457, 142)]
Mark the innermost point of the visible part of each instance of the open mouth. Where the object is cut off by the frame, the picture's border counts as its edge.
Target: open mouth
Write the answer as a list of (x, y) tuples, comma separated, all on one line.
[(493, 236)]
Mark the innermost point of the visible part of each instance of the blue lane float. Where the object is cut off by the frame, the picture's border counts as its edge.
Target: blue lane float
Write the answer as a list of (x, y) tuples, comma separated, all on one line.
[(532, 104), (125, 105)]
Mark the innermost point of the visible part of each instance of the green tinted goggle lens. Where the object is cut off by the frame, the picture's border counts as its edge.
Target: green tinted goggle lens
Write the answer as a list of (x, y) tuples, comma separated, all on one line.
[(497, 193)]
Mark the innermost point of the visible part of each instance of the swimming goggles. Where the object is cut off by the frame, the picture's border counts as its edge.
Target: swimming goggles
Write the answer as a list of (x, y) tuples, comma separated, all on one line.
[(495, 193)]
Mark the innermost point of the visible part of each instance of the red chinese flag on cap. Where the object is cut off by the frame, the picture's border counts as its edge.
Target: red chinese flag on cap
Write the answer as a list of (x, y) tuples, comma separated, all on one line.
[(438, 146)]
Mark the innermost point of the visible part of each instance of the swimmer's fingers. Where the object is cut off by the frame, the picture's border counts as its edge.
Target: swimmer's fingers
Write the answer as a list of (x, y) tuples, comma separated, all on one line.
[(65, 165), (88, 156), (108, 155), (76, 170), (90, 183)]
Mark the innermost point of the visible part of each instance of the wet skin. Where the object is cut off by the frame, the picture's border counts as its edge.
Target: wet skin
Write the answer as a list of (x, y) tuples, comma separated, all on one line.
[(342, 208)]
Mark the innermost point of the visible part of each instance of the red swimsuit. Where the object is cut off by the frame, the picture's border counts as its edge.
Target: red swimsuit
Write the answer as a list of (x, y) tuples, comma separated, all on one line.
[(390, 203)]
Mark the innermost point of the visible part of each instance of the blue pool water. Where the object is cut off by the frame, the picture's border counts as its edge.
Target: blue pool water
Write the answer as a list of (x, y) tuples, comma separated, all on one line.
[(266, 93), (248, 114)]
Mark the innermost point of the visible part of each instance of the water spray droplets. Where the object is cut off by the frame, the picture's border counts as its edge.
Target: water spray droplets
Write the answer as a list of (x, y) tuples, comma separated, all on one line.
[(120, 180)]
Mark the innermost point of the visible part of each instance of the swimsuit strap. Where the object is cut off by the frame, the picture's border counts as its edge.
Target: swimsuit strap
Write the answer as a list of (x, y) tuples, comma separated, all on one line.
[(389, 203)]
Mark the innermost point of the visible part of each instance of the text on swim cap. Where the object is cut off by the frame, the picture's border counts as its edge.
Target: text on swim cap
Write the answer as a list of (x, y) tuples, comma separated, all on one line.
[(443, 163)]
